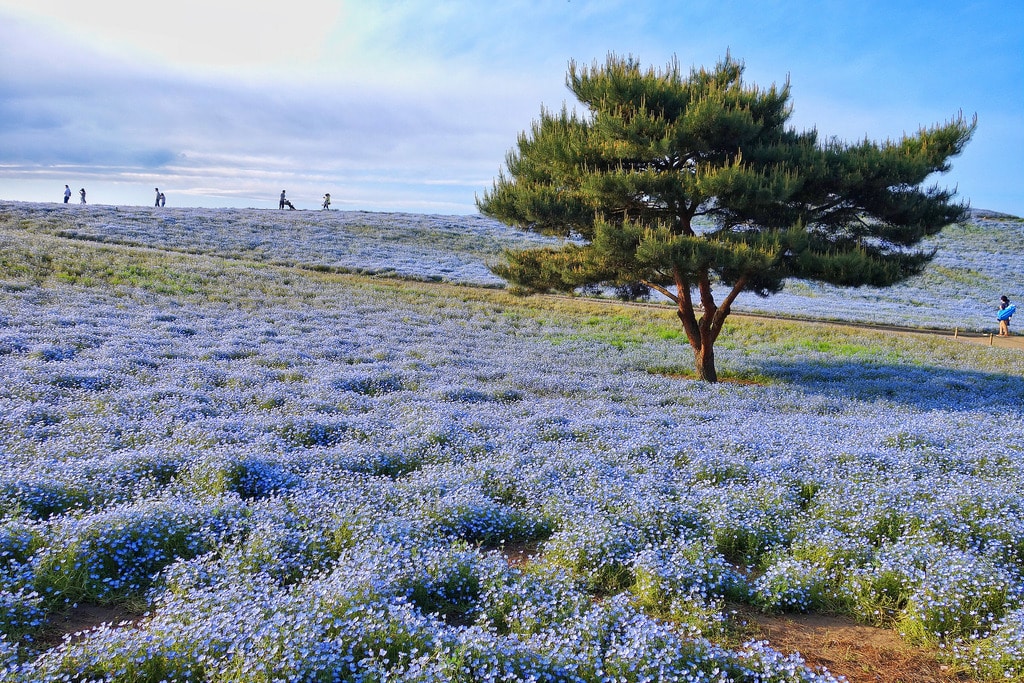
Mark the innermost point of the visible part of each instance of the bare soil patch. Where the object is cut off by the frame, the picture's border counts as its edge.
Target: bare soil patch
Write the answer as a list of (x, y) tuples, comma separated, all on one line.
[(862, 654), (520, 553), (75, 621)]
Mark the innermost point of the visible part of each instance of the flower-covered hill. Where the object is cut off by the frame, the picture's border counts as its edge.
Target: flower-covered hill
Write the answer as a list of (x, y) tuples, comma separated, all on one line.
[(975, 262), (449, 248), (296, 475)]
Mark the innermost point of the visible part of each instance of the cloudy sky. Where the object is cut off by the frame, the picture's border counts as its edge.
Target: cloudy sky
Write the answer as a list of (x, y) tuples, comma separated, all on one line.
[(411, 105)]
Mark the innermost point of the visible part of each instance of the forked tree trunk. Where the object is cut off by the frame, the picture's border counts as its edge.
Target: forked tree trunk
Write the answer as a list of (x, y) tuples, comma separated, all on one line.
[(701, 339), (702, 332), (704, 361)]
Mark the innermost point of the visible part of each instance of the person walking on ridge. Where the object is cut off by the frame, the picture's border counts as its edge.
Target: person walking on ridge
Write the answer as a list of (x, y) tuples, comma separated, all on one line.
[(81, 195), (157, 196), (327, 201), (67, 194)]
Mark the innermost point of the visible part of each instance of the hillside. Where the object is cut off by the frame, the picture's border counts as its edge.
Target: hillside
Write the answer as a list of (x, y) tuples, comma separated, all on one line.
[(975, 262)]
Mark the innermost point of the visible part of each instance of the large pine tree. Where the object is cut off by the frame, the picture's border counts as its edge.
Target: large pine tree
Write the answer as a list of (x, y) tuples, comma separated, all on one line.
[(655, 150)]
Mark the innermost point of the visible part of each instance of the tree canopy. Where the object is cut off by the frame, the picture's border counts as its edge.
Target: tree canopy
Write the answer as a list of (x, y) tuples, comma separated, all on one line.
[(682, 182)]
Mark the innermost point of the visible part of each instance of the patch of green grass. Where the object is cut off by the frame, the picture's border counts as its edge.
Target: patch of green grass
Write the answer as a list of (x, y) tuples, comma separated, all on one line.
[(41, 258), (666, 332), (158, 278), (961, 275), (843, 349)]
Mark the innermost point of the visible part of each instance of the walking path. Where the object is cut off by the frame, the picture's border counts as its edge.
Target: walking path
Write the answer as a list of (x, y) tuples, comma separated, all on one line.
[(1014, 341)]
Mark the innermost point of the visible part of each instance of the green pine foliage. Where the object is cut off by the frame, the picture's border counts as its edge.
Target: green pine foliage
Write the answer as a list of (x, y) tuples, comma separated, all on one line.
[(655, 156)]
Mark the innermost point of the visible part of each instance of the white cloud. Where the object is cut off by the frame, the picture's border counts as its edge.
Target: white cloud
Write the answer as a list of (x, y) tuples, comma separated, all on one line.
[(427, 96), (214, 33)]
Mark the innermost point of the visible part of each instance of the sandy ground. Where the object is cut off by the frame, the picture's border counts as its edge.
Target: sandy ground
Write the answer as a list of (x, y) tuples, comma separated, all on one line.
[(1014, 341)]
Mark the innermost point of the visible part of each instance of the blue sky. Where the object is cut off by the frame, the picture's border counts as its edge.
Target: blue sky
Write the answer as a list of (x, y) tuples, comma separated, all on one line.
[(411, 105)]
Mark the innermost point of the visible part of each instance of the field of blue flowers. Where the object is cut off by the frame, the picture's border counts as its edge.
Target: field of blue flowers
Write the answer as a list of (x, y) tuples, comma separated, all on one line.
[(290, 474), (975, 262)]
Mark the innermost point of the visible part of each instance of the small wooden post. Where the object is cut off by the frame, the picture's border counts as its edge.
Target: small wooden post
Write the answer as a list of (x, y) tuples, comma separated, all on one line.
[(990, 338), (956, 332)]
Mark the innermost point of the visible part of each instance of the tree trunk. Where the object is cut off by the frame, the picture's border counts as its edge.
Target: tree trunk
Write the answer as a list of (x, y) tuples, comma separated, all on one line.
[(700, 333), (702, 341), (704, 361)]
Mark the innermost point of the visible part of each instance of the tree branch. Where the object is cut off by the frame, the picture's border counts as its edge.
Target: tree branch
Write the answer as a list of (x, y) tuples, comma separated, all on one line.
[(664, 291), (707, 301), (723, 311), (685, 310)]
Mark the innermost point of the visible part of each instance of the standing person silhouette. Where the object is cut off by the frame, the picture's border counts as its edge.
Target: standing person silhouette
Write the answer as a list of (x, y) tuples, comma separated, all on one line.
[(81, 195), (284, 202), (1004, 320), (157, 196), (67, 194), (327, 201)]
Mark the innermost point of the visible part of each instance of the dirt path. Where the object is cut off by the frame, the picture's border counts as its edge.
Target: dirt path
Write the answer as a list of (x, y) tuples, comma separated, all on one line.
[(1015, 341)]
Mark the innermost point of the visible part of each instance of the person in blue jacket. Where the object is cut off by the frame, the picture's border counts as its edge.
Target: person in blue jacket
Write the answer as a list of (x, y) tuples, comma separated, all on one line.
[(1004, 323)]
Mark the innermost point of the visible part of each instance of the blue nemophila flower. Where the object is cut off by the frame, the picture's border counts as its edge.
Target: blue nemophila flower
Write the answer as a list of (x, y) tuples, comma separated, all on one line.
[(306, 478), (118, 551)]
